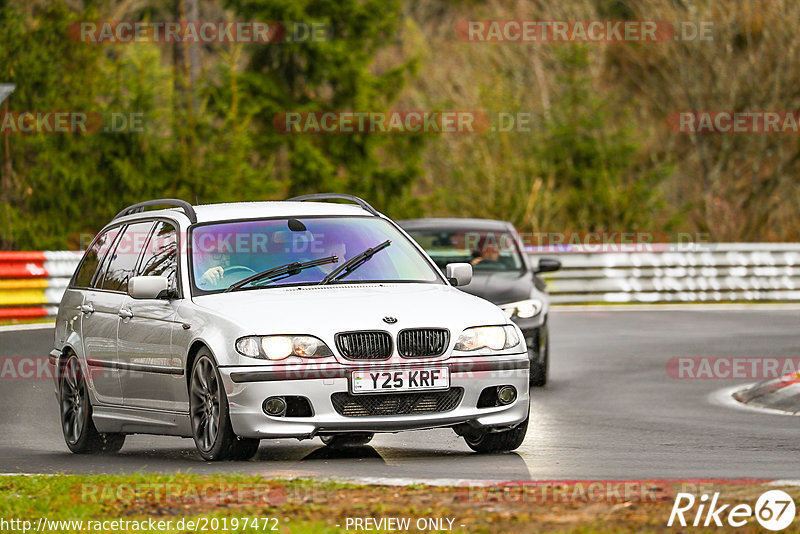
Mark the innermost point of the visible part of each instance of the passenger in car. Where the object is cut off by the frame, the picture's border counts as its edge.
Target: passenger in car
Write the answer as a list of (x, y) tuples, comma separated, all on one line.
[(329, 245)]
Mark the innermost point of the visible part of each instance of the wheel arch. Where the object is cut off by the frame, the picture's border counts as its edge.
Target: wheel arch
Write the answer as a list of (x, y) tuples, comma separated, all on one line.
[(68, 351), (194, 349)]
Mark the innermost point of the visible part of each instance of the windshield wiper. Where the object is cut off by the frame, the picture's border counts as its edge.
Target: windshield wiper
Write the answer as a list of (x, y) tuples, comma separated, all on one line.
[(289, 269), (354, 263)]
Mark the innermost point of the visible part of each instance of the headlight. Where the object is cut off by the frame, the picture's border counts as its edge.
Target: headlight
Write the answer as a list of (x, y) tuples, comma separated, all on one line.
[(523, 309), (487, 337), (280, 347)]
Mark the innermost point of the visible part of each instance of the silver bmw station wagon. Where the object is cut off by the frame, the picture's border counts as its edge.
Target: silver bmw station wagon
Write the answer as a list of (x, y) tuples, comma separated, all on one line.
[(232, 323)]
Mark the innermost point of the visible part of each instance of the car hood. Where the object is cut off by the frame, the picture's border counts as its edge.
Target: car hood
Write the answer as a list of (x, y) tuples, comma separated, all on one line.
[(325, 310), (501, 287)]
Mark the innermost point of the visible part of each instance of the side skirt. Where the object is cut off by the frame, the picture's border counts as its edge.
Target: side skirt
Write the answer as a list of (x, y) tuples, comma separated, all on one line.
[(119, 419)]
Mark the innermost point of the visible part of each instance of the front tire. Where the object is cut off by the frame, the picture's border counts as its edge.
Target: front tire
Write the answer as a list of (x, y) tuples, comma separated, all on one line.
[(77, 425), (504, 441), (540, 369), (208, 409)]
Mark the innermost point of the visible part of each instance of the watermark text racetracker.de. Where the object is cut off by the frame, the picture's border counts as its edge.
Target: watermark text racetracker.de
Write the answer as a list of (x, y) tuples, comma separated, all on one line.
[(190, 493), (415, 121), (526, 492), (587, 31), (569, 491), (199, 32)]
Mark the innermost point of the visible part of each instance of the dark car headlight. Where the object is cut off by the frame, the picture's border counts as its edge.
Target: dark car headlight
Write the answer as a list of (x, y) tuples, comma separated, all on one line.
[(494, 338), (524, 309)]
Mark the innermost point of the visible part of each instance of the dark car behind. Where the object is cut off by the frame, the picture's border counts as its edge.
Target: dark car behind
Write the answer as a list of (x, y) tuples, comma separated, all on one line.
[(502, 274)]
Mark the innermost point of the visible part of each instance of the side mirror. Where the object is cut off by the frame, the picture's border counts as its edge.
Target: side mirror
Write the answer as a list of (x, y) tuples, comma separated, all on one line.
[(547, 265), (148, 287), (459, 274)]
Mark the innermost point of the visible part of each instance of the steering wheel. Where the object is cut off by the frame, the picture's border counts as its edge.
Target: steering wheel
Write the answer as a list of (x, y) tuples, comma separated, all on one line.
[(227, 271), (237, 268)]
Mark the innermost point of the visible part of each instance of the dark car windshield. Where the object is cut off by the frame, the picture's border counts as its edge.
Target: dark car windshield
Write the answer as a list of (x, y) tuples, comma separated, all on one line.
[(229, 252), (485, 250)]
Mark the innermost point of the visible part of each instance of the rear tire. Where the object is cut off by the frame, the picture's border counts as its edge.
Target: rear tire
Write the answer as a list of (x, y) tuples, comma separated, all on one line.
[(504, 441), (208, 409), (77, 425), (353, 439)]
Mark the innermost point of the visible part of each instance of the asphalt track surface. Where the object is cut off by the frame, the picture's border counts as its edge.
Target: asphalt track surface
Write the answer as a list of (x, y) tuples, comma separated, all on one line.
[(610, 411)]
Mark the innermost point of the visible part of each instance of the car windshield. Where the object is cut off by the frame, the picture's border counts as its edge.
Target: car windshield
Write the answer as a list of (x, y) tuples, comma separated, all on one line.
[(226, 253), (486, 251)]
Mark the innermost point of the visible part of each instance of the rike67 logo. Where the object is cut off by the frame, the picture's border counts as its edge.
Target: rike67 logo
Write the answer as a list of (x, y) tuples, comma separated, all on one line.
[(774, 510)]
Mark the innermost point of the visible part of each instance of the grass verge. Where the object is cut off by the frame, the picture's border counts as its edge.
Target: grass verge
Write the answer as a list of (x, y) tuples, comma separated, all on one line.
[(235, 503)]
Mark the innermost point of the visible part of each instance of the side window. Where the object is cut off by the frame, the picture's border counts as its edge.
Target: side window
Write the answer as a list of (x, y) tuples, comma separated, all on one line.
[(107, 255), (160, 257), (94, 256), (125, 255)]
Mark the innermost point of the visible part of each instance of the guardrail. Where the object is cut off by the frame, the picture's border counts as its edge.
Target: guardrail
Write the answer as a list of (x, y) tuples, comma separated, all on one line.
[(674, 273), (31, 283)]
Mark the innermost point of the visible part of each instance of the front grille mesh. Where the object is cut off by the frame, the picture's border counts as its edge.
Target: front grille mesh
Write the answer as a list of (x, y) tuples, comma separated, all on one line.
[(366, 345), (422, 342), (350, 405)]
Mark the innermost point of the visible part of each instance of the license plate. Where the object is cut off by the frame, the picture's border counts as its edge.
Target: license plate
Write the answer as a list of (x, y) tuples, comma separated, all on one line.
[(402, 380)]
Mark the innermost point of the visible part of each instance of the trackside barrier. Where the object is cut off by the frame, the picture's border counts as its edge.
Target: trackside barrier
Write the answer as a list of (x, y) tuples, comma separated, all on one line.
[(31, 283), (656, 273)]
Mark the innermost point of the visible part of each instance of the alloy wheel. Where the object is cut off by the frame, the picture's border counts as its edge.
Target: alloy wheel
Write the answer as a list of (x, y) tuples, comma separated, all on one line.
[(205, 396), (73, 401)]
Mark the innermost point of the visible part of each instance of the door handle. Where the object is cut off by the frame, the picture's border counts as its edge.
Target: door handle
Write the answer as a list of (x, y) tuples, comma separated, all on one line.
[(86, 308), (125, 314)]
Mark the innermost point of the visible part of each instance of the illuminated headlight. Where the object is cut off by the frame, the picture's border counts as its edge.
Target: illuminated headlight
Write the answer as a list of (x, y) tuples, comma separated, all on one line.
[(487, 337), (280, 347), (523, 309)]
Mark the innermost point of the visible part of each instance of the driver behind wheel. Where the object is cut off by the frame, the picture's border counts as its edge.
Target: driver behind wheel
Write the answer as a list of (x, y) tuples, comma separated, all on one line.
[(487, 252), (221, 266), (214, 274)]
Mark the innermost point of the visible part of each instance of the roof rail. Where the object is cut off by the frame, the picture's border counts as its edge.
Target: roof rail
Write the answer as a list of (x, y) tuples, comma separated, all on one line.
[(337, 196), (187, 208)]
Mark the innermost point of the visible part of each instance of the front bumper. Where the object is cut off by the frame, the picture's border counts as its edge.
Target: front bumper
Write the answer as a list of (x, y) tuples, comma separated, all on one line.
[(248, 387)]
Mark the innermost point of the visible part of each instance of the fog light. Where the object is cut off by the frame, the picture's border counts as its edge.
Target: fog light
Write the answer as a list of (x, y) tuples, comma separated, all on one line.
[(506, 394), (275, 406)]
